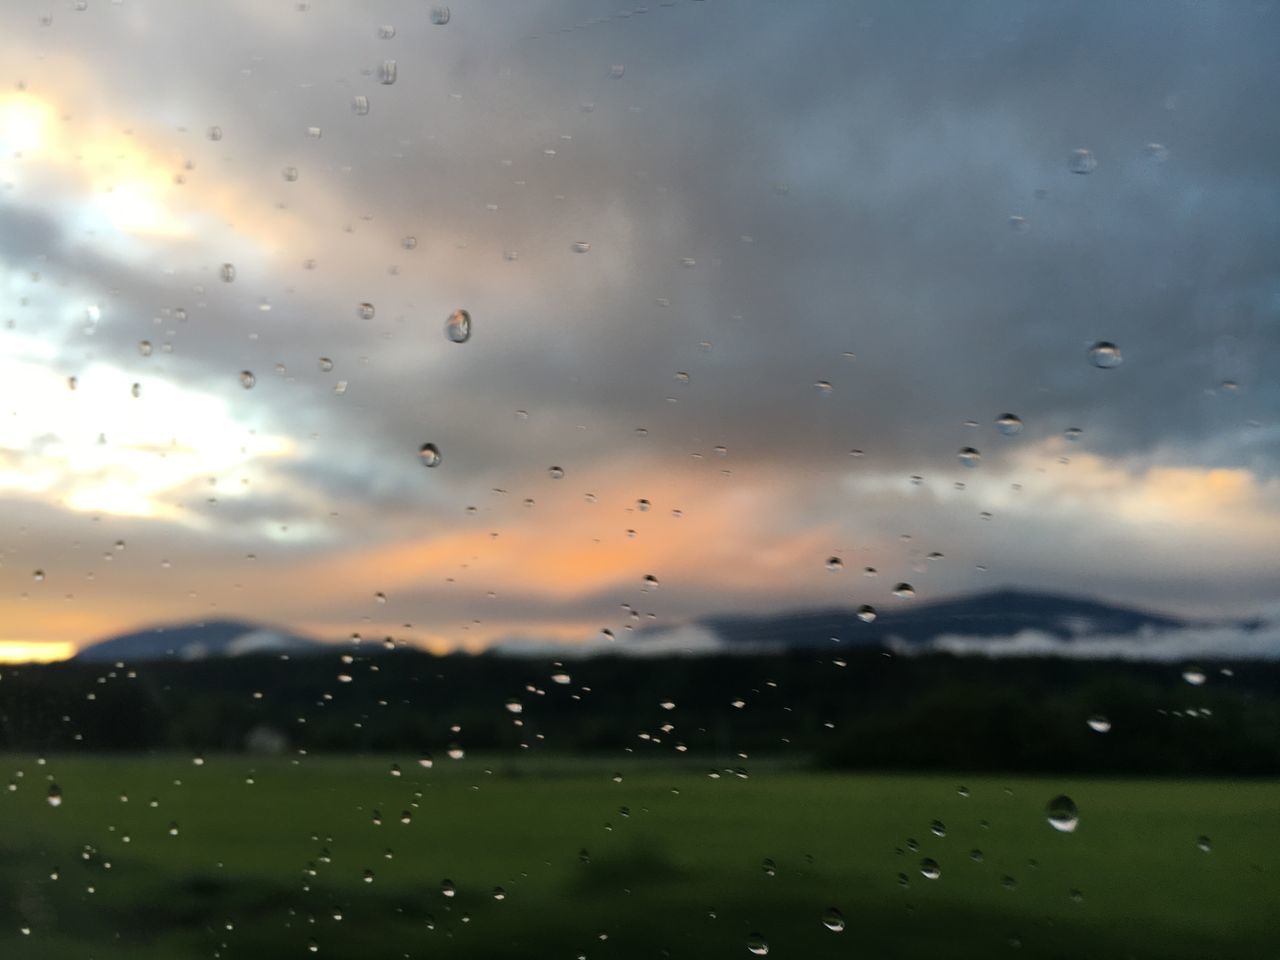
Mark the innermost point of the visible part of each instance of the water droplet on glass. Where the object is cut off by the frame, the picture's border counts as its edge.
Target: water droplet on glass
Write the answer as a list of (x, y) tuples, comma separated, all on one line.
[(55, 795), (247, 379), (426, 762), (929, 869), (617, 70), (757, 945), (938, 828), (1009, 424), (1156, 152), (387, 72), (823, 387), (1104, 354), (1082, 161), (1203, 844), (1099, 724), (228, 272), (458, 327), (429, 455), (867, 613), (144, 347), (440, 15), (581, 246), (1194, 677), (833, 920), (360, 105), (969, 457), (555, 473), (290, 174), (835, 564), (447, 888), (455, 752), (1062, 814), (650, 582), (325, 364), (904, 591), (769, 867), (365, 311), (1072, 433)]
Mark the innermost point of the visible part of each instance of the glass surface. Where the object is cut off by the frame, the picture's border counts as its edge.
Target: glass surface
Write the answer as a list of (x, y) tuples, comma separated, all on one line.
[(579, 479)]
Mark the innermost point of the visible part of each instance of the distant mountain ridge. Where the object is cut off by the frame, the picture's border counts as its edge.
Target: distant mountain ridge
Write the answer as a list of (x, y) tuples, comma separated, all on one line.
[(999, 613), (198, 641)]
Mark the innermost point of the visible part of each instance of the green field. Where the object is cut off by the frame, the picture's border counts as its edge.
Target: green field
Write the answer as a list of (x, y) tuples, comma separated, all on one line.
[(667, 862)]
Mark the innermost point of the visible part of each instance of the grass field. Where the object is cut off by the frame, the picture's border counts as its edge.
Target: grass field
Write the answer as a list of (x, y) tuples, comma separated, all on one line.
[(667, 862)]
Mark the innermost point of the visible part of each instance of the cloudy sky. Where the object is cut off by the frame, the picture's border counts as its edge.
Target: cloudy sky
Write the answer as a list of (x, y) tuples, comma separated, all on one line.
[(711, 251)]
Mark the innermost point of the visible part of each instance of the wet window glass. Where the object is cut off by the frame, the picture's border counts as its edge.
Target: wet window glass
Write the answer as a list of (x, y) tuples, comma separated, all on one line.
[(586, 479)]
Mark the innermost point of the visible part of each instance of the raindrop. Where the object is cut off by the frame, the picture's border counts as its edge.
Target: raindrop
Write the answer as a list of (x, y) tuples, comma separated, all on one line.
[(555, 473), (325, 364), (455, 752), (144, 348), (867, 613), (617, 70), (1072, 433), (290, 174), (429, 454), (426, 762), (835, 564), (904, 591), (514, 706), (1063, 815), (769, 867), (458, 327), (1195, 677), (1082, 161), (214, 133), (387, 72), (440, 15), (929, 869), (55, 795), (499, 893), (365, 311), (823, 387), (1010, 424), (1203, 844), (833, 920), (360, 105), (757, 945), (581, 246), (228, 272), (1104, 355), (247, 379), (969, 457), (1156, 152), (1099, 724), (38, 575), (447, 888), (650, 582), (642, 505), (938, 828)]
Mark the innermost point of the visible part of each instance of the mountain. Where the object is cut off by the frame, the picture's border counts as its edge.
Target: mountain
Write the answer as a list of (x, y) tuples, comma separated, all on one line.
[(197, 641), (1001, 613)]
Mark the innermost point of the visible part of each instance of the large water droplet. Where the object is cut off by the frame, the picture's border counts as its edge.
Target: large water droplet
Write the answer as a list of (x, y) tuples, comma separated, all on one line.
[(835, 564), (1082, 161), (969, 457), (429, 454), (1062, 814), (904, 591), (440, 15), (360, 105), (929, 869), (1194, 676), (55, 795), (1104, 354), (757, 945), (1203, 844), (833, 920), (387, 72), (458, 327), (1010, 424), (555, 473), (247, 379), (447, 888), (866, 613)]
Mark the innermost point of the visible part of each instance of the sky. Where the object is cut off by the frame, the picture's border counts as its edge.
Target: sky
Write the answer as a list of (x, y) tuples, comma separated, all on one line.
[(767, 267)]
